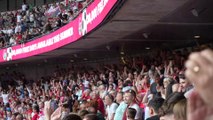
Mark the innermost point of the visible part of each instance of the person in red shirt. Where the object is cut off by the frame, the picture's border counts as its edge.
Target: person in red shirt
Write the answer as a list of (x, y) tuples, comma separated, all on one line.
[(29, 111), (18, 37), (86, 95), (95, 96), (80, 6), (35, 112)]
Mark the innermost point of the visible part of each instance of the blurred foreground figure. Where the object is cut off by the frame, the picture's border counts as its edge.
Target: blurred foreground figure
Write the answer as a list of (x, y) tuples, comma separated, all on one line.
[(200, 73)]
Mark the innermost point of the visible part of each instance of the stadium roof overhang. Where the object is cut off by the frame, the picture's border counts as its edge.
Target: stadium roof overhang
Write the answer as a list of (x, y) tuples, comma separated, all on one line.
[(137, 26)]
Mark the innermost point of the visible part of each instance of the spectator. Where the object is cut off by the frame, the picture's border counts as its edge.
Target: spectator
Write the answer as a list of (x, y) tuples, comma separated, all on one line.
[(83, 113), (92, 109), (24, 7), (5, 96), (154, 106), (103, 91), (35, 113), (155, 87), (166, 111), (47, 27), (72, 117), (18, 28), (119, 97), (131, 112), (129, 98), (95, 96), (180, 110), (19, 117), (91, 117), (184, 84), (111, 107), (18, 17)]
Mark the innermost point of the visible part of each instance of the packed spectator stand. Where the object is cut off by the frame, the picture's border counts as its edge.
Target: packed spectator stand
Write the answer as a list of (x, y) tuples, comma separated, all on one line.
[(29, 23), (136, 86)]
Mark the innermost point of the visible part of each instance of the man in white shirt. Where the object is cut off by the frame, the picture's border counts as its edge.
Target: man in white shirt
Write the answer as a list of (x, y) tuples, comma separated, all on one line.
[(78, 92), (129, 98), (103, 91), (18, 18), (10, 31), (18, 28), (12, 40), (32, 18), (86, 83), (24, 7), (111, 107), (5, 97)]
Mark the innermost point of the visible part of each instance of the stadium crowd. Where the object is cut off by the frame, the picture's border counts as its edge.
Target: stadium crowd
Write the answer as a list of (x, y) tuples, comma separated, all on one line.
[(142, 88), (154, 87), (20, 26)]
